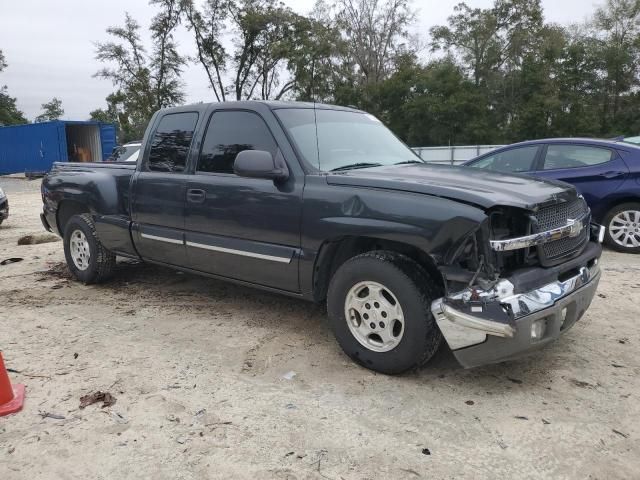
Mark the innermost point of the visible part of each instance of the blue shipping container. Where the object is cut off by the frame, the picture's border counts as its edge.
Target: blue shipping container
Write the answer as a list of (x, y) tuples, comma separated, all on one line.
[(33, 147)]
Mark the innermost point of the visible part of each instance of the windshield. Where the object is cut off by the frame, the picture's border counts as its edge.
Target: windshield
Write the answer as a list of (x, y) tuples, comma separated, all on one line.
[(126, 153), (344, 139)]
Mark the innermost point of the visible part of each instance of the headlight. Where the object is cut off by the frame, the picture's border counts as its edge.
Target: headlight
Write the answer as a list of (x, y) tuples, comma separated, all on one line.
[(2, 195)]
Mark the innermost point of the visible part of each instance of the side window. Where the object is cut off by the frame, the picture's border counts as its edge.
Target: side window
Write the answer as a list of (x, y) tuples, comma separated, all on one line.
[(171, 142), (575, 156), (515, 160), (229, 133)]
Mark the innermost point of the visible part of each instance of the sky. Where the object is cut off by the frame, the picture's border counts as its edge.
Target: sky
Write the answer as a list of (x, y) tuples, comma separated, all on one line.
[(50, 45)]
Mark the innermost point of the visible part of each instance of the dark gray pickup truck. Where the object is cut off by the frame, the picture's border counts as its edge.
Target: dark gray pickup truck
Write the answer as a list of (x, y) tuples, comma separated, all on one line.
[(325, 203)]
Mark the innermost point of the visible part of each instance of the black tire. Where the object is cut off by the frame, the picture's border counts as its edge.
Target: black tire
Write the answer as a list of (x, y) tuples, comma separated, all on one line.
[(101, 261), (608, 239), (414, 289)]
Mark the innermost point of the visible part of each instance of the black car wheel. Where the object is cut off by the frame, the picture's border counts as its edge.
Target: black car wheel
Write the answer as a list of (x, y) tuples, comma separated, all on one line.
[(86, 257), (379, 310)]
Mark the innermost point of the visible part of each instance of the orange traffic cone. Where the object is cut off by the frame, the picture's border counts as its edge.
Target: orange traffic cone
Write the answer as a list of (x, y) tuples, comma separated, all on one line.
[(11, 398)]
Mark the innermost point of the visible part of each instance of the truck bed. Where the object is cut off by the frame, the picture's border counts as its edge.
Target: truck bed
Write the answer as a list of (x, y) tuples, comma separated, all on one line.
[(99, 188)]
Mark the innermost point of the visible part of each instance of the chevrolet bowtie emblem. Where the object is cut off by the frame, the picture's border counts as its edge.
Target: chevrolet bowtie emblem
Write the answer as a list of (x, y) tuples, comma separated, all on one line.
[(575, 227)]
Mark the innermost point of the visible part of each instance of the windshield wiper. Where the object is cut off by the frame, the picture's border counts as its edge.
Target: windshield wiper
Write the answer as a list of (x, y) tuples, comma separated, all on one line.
[(408, 161), (355, 165)]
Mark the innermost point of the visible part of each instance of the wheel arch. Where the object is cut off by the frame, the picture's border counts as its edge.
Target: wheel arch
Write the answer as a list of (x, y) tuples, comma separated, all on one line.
[(334, 252), (67, 208), (613, 202)]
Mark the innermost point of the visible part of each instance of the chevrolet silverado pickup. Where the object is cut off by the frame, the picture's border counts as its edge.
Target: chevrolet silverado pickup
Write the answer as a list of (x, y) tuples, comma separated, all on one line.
[(325, 203)]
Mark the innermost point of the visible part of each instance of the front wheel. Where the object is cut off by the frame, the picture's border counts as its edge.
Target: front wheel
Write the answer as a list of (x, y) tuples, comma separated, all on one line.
[(86, 257), (623, 228), (379, 310)]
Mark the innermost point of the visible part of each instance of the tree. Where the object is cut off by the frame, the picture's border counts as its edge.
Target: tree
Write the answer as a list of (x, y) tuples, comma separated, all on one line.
[(473, 34), (9, 113), (487, 39), (577, 81), (504, 74), (145, 82), (374, 31), (432, 105), (617, 26), (51, 111), (266, 47), (130, 124), (314, 61)]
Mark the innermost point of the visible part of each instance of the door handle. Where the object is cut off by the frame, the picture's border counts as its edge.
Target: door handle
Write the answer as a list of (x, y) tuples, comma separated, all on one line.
[(195, 195), (612, 174)]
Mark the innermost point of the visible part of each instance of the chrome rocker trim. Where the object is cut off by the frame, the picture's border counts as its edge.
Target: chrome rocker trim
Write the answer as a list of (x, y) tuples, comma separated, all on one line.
[(573, 228), (243, 253)]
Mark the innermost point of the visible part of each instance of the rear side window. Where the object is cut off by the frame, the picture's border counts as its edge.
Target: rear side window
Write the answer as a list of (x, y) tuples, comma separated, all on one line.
[(229, 133), (171, 142), (514, 160), (575, 156)]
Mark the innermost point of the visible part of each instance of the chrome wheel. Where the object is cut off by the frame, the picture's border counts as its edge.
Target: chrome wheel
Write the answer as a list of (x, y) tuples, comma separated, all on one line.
[(624, 228), (79, 249), (374, 316)]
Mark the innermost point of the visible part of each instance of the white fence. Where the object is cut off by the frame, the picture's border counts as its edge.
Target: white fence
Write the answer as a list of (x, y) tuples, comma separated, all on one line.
[(453, 155)]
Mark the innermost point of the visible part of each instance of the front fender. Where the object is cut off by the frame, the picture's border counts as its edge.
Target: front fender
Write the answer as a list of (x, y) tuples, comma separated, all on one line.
[(434, 225)]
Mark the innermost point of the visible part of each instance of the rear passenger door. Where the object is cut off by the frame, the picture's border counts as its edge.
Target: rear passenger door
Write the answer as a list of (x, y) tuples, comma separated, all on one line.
[(595, 171), (243, 228), (158, 190)]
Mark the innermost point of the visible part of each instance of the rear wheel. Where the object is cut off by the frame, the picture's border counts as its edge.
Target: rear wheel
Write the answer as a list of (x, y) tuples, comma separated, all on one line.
[(86, 257), (623, 228), (379, 309)]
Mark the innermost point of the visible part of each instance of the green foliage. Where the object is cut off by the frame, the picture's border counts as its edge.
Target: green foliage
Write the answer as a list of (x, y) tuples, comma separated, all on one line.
[(499, 74), (9, 113), (145, 82), (51, 111), (542, 80), (274, 49)]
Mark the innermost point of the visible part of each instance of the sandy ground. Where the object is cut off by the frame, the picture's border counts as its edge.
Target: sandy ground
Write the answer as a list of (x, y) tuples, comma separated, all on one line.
[(200, 371)]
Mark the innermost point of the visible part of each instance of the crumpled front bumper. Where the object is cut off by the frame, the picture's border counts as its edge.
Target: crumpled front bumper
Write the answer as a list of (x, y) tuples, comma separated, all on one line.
[(515, 317)]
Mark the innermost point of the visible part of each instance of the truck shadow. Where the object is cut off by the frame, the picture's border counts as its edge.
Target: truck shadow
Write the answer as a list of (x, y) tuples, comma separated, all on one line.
[(169, 288)]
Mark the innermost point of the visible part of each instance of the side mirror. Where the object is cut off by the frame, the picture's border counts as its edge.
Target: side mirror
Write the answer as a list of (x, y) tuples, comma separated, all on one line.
[(260, 164)]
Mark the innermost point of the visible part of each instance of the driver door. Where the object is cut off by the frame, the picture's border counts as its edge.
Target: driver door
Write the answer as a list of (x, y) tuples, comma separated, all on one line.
[(242, 228)]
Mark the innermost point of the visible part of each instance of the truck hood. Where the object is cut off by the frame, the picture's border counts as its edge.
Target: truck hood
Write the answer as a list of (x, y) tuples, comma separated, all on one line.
[(464, 184)]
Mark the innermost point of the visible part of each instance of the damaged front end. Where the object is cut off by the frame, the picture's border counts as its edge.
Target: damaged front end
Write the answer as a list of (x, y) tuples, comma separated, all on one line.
[(510, 289)]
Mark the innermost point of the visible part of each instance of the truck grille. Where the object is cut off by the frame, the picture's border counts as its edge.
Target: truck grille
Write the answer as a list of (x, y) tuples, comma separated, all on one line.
[(556, 216)]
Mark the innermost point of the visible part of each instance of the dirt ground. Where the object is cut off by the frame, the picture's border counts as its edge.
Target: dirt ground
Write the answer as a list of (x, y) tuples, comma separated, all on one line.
[(213, 380)]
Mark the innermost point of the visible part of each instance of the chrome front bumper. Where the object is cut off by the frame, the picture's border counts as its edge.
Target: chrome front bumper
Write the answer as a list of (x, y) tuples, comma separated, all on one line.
[(494, 325)]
